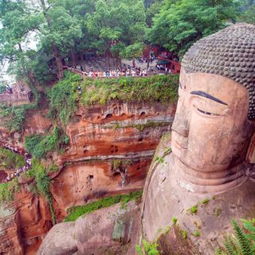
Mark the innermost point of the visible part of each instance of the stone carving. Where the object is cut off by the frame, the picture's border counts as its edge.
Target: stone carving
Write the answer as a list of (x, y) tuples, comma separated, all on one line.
[(211, 134), (229, 53)]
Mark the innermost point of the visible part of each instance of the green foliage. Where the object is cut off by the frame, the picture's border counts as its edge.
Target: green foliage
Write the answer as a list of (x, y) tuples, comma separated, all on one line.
[(196, 233), (2, 88), (150, 124), (7, 190), (13, 117), (147, 248), (205, 201), (174, 220), (152, 10), (248, 16), (141, 127), (61, 27), (77, 211), (184, 234), (133, 50), (180, 23), (39, 145), (158, 88), (159, 160), (193, 209), (243, 242), (11, 160), (63, 97), (120, 21), (42, 184)]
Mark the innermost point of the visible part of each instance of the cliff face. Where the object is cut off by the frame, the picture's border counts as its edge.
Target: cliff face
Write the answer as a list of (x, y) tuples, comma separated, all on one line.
[(110, 150)]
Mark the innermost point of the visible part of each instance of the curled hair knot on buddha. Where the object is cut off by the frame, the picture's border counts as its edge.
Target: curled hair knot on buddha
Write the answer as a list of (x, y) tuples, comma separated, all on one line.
[(229, 53)]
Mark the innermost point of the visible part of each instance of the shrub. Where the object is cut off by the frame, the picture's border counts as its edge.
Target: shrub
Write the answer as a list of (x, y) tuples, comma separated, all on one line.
[(159, 88), (7, 190), (13, 117), (193, 209), (147, 248), (42, 184), (243, 241), (63, 97), (77, 211), (39, 145), (10, 160)]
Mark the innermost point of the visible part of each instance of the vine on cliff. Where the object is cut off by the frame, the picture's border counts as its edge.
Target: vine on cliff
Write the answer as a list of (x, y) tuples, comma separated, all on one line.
[(42, 184), (39, 145), (63, 97)]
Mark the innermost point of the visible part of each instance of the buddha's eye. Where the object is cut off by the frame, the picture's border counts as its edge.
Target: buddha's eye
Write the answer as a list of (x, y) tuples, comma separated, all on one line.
[(208, 108), (207, 113)]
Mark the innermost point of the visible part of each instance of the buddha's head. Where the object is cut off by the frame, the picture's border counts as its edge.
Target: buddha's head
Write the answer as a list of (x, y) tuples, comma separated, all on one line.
[(215, 115)]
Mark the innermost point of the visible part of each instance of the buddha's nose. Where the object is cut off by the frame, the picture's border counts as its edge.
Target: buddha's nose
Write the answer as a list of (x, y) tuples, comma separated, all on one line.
[(181, 120), (180, 126)]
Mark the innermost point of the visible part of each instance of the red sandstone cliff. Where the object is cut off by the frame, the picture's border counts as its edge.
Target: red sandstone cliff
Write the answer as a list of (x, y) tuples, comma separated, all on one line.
[(110, 150)]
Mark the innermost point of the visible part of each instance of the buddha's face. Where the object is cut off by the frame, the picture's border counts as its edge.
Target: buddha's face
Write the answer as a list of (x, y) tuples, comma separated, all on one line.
[(211, 130)]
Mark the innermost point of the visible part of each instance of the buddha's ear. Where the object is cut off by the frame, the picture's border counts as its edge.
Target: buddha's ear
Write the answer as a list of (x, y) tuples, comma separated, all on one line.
[(250, 156)]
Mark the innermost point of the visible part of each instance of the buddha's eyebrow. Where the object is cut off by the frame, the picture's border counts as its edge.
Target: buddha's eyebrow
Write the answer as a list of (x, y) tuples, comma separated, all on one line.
[(203, 94)]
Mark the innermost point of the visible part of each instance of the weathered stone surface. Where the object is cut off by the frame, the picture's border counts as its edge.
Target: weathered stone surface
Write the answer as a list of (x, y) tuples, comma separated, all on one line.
[(165, 199), (205, 182), (95, 233), (99, 135), (23, 223)]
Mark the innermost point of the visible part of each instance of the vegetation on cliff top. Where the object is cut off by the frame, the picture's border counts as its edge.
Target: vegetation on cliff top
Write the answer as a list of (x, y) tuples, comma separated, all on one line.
[(159, 88), (77, 211), (64, 96), (11, 160)]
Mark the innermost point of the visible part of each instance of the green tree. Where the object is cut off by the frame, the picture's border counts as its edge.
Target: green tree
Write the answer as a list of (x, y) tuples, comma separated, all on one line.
[(59, 31), (247, 10), (116, 24), (180, 23), (153, 9), (77, 11), (17, 24)]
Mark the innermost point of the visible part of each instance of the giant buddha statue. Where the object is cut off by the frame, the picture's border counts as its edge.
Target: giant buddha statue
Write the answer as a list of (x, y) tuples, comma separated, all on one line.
[(208, 180)]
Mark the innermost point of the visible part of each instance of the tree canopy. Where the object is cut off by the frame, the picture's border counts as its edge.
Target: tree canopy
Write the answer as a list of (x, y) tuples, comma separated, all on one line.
[(180, 23), (66, 28)]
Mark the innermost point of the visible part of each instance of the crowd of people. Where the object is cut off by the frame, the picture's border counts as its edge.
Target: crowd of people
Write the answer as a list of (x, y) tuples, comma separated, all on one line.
[(26, 167), (126, 72)]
